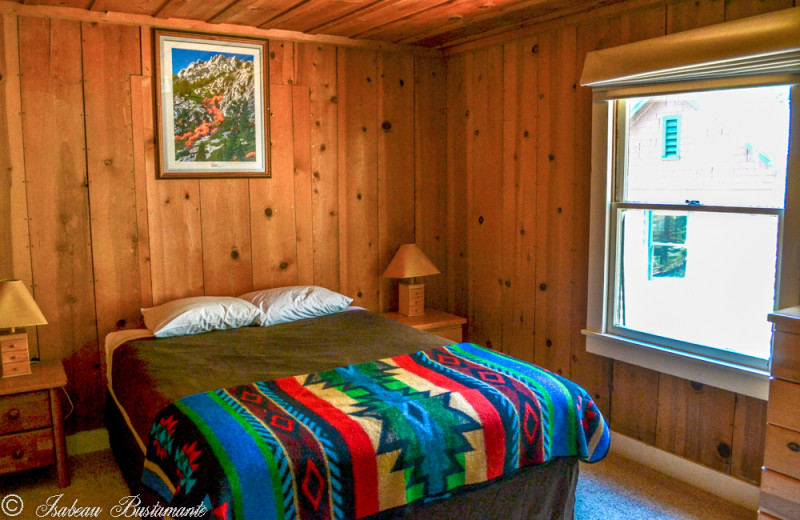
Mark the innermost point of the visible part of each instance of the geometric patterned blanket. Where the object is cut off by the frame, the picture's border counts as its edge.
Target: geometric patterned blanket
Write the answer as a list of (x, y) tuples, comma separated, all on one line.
[(361, 439)]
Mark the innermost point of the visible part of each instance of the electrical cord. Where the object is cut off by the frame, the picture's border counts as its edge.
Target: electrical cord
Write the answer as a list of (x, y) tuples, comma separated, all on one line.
[(71, 405)]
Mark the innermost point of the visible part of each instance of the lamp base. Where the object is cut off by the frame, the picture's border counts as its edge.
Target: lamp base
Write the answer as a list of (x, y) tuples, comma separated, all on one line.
[(411, 299), (15, 358)]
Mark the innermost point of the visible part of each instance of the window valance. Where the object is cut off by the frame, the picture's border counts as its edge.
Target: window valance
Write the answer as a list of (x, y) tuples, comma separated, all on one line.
[(760, 50)]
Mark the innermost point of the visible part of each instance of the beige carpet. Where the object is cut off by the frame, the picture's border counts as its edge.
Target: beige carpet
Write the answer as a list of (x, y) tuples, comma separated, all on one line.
[(619, 489), (614, 489)]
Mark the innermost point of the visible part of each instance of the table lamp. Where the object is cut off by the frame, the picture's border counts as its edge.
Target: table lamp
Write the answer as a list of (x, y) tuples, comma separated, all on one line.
[(410, 262), (17, 309)]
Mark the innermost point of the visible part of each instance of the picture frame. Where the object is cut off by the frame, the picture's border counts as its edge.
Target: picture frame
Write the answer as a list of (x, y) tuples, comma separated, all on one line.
[(212, 106)]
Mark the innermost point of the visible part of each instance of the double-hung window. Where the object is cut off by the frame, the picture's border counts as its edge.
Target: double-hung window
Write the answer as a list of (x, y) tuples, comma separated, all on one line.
[(695, 204)]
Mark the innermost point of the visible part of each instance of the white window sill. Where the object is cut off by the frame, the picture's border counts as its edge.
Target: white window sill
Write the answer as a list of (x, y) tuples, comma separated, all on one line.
[(742, 380)]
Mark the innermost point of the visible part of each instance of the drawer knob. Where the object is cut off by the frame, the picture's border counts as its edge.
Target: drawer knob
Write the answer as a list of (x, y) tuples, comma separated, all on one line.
[(794, 447), (18, 453), (13, 414)]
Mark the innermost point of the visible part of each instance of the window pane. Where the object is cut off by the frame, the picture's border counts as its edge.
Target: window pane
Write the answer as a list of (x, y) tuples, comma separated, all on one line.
[(709, 282), (721, 148)]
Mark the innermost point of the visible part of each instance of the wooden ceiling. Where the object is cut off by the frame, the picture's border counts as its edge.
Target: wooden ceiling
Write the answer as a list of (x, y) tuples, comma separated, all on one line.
[(428, 23)]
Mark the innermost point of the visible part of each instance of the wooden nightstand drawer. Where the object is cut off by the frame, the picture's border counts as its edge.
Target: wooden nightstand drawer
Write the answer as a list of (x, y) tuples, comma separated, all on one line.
[(783, 399), (780, 496), (782, 451), (16, 369), (15, 356), (28, 411), (26, 450), (786, 356), (13, 345)]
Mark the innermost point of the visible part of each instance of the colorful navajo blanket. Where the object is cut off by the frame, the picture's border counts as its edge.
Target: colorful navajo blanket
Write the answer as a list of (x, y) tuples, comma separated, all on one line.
[(361, 439)]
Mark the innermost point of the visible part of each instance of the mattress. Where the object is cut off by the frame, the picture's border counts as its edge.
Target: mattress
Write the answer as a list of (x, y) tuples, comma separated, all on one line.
[(147, 374)]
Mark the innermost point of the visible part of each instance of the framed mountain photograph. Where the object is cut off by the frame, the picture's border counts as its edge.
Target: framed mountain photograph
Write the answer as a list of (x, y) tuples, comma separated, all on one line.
[(211, 99)]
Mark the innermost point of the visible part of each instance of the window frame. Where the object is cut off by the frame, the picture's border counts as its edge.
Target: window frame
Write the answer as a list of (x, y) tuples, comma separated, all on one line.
[(618, 179), (717, 369)]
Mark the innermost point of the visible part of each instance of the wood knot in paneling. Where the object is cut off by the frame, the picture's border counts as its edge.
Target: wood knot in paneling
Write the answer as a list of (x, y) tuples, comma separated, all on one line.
[(724, 450)]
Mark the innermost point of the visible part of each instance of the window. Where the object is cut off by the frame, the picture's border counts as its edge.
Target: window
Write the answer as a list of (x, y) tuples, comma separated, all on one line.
[(695, 201), (720, 201), (672, 137)]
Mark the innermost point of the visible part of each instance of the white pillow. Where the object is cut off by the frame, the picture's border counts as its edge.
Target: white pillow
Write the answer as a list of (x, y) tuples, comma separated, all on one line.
[(285, 304), (198, 314)]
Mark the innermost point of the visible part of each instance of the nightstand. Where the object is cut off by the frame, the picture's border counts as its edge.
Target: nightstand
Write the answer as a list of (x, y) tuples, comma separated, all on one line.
[(32, 422), (448, 326)]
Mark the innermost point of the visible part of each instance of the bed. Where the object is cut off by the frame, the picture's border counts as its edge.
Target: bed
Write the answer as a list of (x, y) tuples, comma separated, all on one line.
[(149, 380)]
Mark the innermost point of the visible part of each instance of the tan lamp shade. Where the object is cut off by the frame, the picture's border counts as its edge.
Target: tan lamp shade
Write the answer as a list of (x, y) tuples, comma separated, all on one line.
[(409, 262), (17, 307)]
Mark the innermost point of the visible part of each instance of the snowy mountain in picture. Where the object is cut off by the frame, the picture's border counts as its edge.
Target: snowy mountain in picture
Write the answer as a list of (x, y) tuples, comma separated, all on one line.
[(214, 110)]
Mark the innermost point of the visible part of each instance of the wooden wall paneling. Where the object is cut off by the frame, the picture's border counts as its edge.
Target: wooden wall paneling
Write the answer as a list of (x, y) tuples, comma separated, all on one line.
[(225, 225), (281, 62), (55, 166), (430, 123), (486, 217), (303, 182), (591, 371), (143, 168), (643, 24), (110, 57), (749, 436), (176, 246), (14, 214), (634, 402), (555, 191), (695, 421), (735, 9), (8, 38), (521, 71), (510, 183), (358, 180), (459, 128), (272, 212), (146, 40), (317, 69), (396, 181), (690, 14)]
